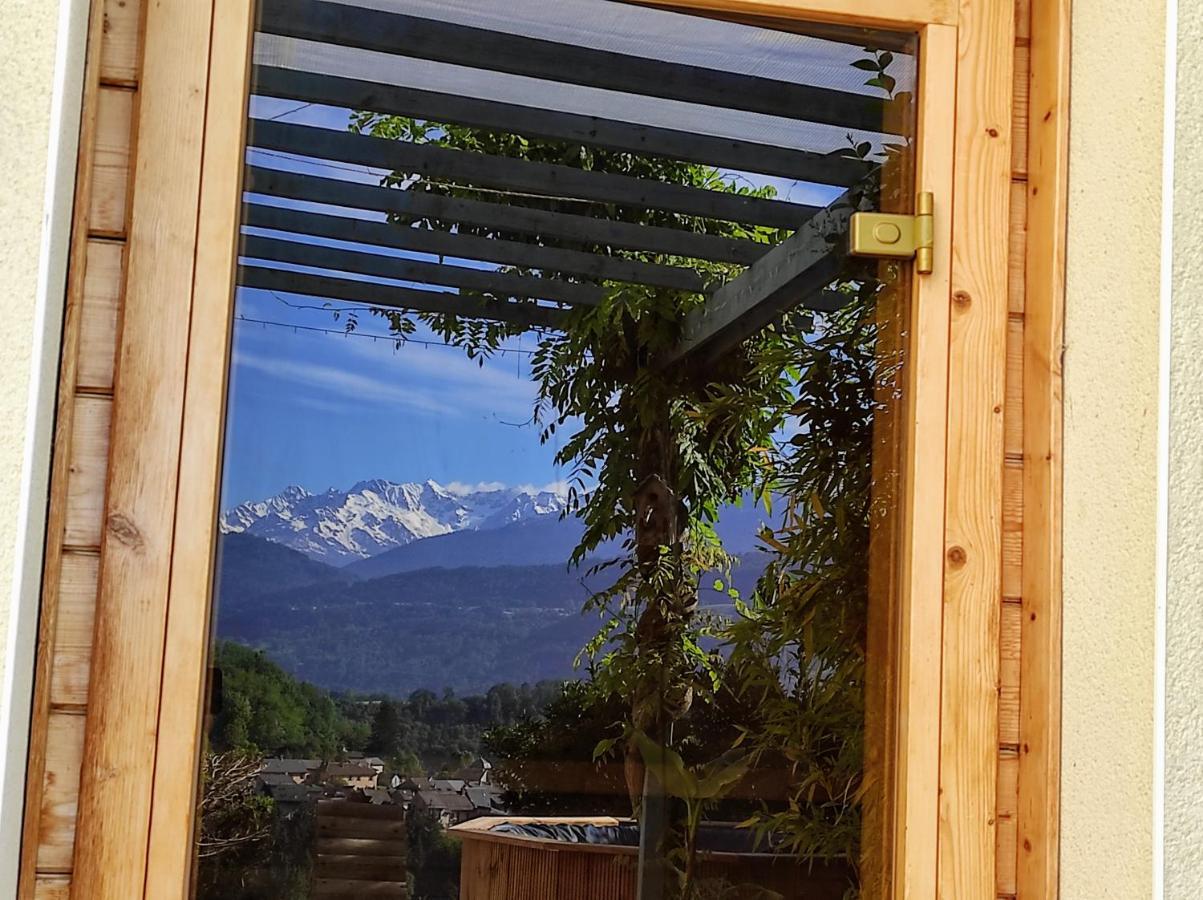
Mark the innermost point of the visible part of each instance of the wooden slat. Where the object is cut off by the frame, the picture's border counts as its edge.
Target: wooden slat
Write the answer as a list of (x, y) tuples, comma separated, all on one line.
[(732, 153), (78, 578), (413, 205), (64, 753), (1012, 530), (353, 890), (343, 809), (119, 754), (906, 14), (791, 275), (89, 465), (1023, 21), (369, 829), (362, 262), (111, 178), (1013, 408), (52, 887), (359, 847), (119, 48), (60, 466), (1017, 238), (926, 425), (1020, 114), (369, 29), (969, 730), (98, 320), (517, 313), (1006, 835), (550, 180), (1009, 648), (1040, 685), (467, 246), (180, 698), (361, 868)]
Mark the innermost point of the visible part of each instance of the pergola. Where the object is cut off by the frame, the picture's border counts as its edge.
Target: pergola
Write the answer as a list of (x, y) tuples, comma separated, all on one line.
[(564, 256)]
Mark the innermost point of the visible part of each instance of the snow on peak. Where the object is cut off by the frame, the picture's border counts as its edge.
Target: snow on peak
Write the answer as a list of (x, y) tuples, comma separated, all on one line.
[(376, 515)]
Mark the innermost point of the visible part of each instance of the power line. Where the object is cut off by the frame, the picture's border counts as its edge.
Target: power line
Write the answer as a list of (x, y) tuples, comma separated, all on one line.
[(396, 340)]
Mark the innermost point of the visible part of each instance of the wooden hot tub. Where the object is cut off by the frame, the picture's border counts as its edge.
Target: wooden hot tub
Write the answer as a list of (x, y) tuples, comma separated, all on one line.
[(503, 866)]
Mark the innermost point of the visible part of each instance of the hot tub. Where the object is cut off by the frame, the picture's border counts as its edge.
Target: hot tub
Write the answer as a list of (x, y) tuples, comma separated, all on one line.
[(562, 858)]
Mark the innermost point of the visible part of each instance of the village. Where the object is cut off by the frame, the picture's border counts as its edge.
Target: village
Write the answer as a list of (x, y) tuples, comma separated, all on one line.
[(355, 777)]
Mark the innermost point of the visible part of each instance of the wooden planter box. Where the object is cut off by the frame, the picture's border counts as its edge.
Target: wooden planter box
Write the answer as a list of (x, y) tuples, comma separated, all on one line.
[(500, 866)]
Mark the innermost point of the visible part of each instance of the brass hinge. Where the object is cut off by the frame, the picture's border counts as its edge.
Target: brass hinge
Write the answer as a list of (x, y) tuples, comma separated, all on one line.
[(898, 236)]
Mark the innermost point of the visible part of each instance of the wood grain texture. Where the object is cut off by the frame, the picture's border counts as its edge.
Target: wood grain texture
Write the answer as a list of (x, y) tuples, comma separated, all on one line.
[(924, 433), (1019, 114), (60, 468), (52, 887), (1006, 836), (973, 539), (1017, 242), (1013, 412), (111, 178), (78, 579), (186, 649), (122, 41), (1012, 530), (103, 284), (882, 13), (119, 754), (89, 465), (1010, 642), (64, 753), (1040, 685)]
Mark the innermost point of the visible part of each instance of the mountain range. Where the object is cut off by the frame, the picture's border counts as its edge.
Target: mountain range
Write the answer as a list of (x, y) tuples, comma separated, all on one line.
[(343, 526), (386, 587)]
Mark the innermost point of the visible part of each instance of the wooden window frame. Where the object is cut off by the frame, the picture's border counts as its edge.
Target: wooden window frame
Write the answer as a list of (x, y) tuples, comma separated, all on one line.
[(147, 677)]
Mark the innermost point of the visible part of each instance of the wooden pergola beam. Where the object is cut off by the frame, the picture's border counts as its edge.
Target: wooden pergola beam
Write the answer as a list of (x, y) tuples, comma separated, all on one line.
[(722, 152), (791, 275), (414, 205), (525, 315), (360, 262), (452, 245), (508, 174), (405, 35)]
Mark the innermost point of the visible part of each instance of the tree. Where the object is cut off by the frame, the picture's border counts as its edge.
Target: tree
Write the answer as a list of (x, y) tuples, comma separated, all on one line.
[(386, 729)]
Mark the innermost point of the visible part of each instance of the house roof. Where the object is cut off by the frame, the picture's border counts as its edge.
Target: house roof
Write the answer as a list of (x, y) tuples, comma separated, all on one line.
[(349, 770), (481, 797), (445, 800), (290, 766), (448, 784)]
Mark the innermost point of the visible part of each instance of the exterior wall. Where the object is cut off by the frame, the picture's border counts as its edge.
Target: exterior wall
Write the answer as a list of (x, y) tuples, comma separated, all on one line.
[(27, 57), (1184, 614), (1111, 450)]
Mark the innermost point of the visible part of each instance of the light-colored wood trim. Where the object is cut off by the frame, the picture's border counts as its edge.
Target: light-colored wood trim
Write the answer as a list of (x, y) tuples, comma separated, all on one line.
[(109, 195), (119, 53), (184, 665), (64, 750), (114, 805), (922, 551), (973, 548), (60, 466), (1040, 685), (901, 14)]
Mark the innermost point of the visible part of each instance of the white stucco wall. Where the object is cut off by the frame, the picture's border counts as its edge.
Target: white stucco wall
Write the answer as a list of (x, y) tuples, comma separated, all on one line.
[(27, 54), (1184, 583), (1111, 449)]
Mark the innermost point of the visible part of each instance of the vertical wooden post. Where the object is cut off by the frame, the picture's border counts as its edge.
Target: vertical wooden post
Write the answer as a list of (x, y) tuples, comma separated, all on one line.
[(973, 510)]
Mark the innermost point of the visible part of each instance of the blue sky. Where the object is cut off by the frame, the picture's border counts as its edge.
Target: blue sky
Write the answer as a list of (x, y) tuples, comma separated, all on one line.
[(326, 410)]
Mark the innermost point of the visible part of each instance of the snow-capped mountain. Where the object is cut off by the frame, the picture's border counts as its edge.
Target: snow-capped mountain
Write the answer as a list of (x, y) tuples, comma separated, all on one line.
[(340, 527)]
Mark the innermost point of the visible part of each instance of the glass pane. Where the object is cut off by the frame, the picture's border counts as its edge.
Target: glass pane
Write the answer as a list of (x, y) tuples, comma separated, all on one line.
[(560, 489)]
